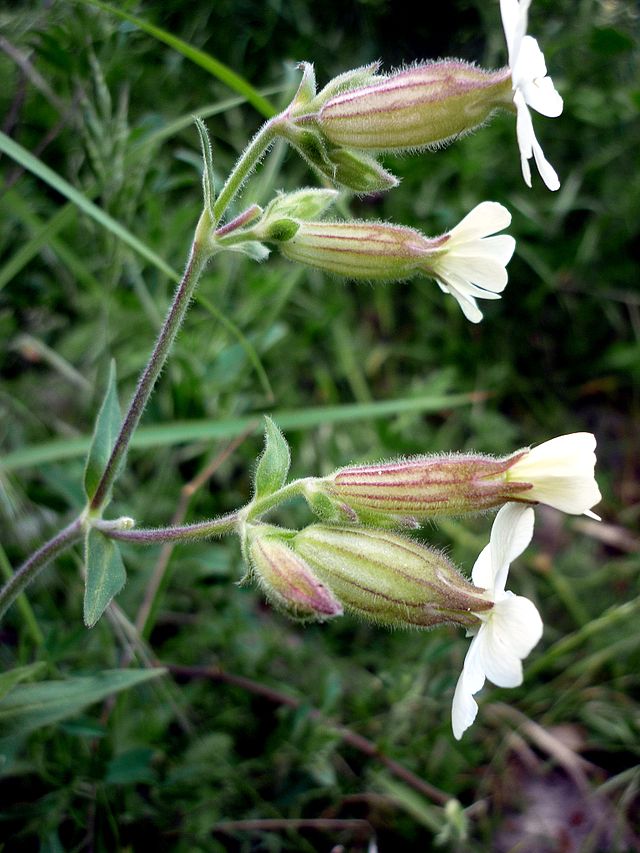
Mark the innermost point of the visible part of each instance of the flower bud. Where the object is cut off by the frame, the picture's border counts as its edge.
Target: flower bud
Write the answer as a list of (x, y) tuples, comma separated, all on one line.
[(558, 473), (417, 488), (389, 579), (427, 104), (288, 582), (370, 251)]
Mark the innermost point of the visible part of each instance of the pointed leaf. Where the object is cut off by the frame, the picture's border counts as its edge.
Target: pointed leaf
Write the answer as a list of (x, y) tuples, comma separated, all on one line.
[(359, 172), (105, 575), (104, 435), (208, 183), (30, 706), (273, 465)]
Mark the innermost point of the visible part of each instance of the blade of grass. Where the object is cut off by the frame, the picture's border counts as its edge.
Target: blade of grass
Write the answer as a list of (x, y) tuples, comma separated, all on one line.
[(193, 54), (182, 432), (42, 171)]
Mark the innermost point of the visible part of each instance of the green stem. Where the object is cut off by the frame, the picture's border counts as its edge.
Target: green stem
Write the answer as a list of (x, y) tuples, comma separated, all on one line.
[(181, 533), (30, 569), (197, 260), (249, 159), (259, 507)]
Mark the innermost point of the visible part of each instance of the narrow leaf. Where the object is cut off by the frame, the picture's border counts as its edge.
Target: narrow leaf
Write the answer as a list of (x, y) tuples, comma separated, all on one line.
[(31, 706), (105, 575), (104, 435), (273, 465), (208, 185)]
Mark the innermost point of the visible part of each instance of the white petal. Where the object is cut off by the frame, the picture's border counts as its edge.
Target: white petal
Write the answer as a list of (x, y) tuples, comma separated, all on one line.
[(547, 172), (514, 23), (562, 473), (499, 248), (482, 573), (464, 708), (511, 533), (512, 631), (468, 305), (530, 63), (541, 95), (479, 270), (485, 218), (472, 678)]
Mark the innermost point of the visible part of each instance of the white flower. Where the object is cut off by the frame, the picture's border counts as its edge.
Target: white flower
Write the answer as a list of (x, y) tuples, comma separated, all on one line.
[(561, 472), (510, 629), (472, 264), (531, 88)]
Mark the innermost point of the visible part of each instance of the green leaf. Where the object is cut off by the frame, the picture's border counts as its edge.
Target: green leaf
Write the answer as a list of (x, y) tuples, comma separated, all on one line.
[(8, 680), (104, 435), (31, 706), (359, 172), (273, 465), (208, 183), (105, 573)]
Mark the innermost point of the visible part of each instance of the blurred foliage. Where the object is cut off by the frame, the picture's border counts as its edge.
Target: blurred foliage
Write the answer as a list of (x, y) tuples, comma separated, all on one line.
[(167, 764)]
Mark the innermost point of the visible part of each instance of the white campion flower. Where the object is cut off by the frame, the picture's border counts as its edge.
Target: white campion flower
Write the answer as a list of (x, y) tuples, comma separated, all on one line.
[(531, 88), (472, 263), (467, 262), (510, 630), (561, 472)]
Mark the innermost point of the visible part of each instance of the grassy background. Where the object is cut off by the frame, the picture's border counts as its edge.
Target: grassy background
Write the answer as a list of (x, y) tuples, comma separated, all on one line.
[(107, 107)]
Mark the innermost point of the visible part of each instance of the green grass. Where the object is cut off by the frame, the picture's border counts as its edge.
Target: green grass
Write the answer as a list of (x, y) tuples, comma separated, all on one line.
[(259, 718)]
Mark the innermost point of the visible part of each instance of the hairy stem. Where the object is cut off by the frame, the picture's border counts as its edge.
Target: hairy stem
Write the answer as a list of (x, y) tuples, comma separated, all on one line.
[(249, 159), (181, 533), (37, 561), (197, 259)]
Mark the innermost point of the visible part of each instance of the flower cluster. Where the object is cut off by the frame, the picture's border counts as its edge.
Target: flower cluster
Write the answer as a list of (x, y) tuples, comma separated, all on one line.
[(352, 562)]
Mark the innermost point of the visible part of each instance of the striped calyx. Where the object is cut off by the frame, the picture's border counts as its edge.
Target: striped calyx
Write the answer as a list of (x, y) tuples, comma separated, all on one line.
[(389, 579), (425, 105), (408, 491)]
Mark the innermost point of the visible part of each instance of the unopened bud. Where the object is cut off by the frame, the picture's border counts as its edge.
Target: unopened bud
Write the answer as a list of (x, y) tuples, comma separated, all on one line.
[(427, 104), (388, 578), (288, 582), (370, 251)]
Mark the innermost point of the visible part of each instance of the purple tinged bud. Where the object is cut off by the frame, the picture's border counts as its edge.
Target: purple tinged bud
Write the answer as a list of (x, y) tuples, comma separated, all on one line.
[(389, 579), (425, 105), (420, 487), (288, 582)]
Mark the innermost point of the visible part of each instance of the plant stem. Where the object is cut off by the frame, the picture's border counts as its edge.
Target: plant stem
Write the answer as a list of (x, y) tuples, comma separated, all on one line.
[(184, 532), (37, 561), (263, 505), (197, 259), (249, 159)]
